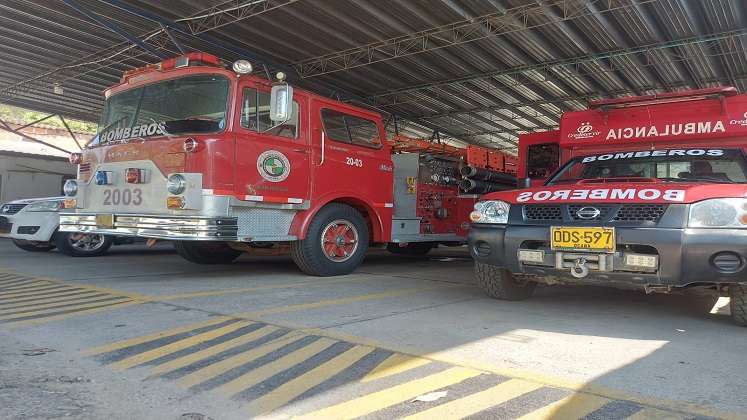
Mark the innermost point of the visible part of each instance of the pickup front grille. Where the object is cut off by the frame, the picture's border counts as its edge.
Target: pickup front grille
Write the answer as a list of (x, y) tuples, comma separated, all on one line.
[(623, 213), (11, 208)]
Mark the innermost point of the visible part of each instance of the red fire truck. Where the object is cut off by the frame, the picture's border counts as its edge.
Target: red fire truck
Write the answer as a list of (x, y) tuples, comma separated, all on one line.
[(651, 194), (223, 162)]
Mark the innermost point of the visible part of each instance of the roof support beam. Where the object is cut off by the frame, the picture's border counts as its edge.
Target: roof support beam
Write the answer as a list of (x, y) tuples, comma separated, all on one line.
[(6, 127), (114, 28)]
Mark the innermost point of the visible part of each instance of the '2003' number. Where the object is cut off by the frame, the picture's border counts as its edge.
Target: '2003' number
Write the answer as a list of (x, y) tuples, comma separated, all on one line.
[(115, 197), (354, 162)]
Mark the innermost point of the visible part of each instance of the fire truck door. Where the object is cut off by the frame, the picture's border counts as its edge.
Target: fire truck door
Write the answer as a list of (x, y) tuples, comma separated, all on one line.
[(272, 161), (354, 160)]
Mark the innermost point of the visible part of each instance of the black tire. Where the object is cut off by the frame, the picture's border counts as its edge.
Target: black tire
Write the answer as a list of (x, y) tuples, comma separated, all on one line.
[(211, 252), (412, 248), (498, 283), (90, 246), (312, 259), (33, 246), (738, 303)]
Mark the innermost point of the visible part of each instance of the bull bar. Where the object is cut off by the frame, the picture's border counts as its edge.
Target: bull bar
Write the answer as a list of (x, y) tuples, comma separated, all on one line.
[(196, 228)]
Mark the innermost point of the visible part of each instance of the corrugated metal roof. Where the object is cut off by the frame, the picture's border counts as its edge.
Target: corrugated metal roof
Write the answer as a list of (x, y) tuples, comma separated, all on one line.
[(483, 71)]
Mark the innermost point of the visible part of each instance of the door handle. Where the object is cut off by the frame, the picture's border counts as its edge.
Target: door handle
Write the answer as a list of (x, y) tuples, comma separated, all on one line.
[(300, 151)]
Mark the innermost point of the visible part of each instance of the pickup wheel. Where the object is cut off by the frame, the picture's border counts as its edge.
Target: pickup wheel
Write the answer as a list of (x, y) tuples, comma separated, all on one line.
[(82, 244), (499, 283), (210, 252), (412, 248), (738, 302), (335, 244), (33, 246)]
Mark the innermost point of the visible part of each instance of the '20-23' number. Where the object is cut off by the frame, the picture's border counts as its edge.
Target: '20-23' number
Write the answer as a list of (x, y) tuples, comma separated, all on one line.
[(354, 162)]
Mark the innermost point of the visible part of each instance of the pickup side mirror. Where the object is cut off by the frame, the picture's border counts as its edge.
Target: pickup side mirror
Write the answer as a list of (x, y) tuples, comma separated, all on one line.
[(281, 103)]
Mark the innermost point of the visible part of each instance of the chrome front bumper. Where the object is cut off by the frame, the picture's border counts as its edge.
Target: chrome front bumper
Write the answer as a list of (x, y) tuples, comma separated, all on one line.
[(195, 228)]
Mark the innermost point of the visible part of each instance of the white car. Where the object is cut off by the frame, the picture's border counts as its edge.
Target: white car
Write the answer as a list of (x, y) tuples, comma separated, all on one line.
[(32, 225)]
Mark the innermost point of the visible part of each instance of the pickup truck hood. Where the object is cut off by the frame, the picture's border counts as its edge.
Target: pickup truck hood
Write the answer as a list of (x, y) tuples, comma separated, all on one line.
[(622, 192)]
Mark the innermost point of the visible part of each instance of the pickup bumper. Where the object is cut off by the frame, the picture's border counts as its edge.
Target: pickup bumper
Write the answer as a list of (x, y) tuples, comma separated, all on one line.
[(685, 256), (195, 228)]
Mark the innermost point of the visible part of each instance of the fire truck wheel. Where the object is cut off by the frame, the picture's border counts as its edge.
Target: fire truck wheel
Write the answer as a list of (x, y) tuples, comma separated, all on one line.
[(211, 252), (33, 246), (412, 248), (335, 243), (82, 244), (498, 283), (738, 302)]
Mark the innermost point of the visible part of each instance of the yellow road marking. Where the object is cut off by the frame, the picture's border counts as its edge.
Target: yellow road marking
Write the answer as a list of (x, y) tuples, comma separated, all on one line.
[(34, 312), (174, 347), (572, 407), (290, 390), (394, 364), (332, 302), (49, 298), (52, 305), (473, 404), (44, 290), (67, 315), (253, 289), (106, 348), (34, 284), (271, 369), (189, 359), (215, 369), (376, 401), (655, 414), (56, 299)]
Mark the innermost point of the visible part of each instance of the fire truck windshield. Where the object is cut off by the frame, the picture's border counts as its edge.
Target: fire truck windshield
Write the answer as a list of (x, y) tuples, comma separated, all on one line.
[(668, 165), (192, 104)]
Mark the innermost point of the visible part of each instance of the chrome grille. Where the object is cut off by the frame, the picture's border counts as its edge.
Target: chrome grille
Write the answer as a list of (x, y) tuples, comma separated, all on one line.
[(11, 208), (640, 213), (573, 209), (542, 212)]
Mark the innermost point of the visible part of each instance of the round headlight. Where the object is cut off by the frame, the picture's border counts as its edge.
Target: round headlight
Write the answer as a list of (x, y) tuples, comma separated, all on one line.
[(70, 188), (176, 184), (242, 67)]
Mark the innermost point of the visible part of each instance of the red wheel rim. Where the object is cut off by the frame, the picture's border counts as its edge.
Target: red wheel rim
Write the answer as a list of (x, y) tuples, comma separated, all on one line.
[(339, 240)]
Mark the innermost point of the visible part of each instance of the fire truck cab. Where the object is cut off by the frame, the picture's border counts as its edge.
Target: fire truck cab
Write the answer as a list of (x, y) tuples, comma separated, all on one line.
[(646, 192), (222, 162)]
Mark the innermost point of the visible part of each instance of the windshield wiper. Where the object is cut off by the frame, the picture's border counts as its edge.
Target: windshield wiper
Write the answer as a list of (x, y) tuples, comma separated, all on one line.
[(701, 179)]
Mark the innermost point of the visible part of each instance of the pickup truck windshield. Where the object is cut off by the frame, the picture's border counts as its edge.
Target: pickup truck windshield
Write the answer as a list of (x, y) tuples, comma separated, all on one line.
[(193, 104), (670, 165)]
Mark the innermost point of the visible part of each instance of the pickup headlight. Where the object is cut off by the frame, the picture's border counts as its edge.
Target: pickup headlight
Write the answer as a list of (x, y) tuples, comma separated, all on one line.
[(492, 211), (49, 206), (719, 213)]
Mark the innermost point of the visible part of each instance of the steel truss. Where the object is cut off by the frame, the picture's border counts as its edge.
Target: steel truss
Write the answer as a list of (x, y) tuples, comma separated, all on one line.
[(19, 132), (229, 12)]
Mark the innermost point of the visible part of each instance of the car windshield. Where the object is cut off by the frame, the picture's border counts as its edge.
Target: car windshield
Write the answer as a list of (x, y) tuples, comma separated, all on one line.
[(671, 165), (193, 104)]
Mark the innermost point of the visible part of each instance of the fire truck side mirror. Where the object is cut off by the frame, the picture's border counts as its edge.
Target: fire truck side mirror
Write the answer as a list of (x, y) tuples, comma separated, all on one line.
[(281, 103), (525, 182)]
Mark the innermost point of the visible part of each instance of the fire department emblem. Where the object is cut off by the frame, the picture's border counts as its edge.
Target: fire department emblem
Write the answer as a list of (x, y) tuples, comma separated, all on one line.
[(273, 166)]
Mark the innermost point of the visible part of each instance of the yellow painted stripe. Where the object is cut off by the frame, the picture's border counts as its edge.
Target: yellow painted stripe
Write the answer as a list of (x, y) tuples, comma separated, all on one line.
[(271, 369), (50, 289), (44, 299), (655, 414), (203, 354), (60, 305), (394, 364), (34, 284), (572, 407), (41, 312), (394, 395), (333, 302), (59, 300), (257, 288), (106, 348), (290, 390), (176, 346), (46, 319), (215, 369), (474, 403)]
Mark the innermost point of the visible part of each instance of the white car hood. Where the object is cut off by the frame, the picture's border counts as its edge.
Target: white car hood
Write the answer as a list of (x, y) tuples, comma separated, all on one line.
[(34, 200)]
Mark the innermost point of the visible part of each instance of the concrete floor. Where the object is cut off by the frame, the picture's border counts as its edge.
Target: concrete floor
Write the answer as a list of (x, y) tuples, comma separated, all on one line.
[(142, 334)]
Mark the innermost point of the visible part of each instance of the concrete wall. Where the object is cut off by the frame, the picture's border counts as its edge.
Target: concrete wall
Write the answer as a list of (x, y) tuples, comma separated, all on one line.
[(32, 177)]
